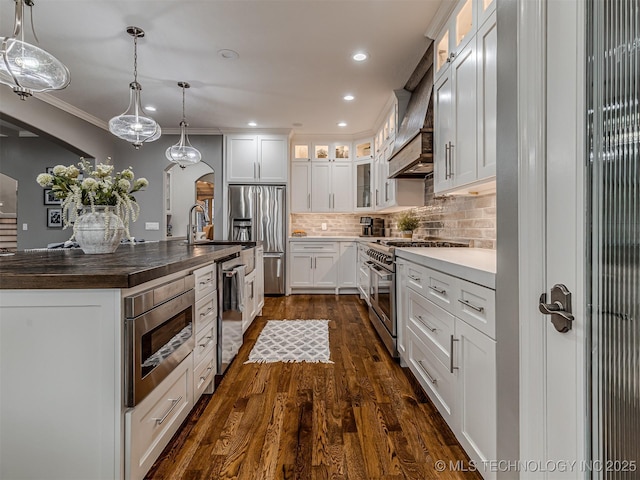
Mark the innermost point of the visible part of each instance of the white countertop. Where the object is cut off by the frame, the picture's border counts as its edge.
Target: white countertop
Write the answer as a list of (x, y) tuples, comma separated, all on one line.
[(477, 265), (333, 239)]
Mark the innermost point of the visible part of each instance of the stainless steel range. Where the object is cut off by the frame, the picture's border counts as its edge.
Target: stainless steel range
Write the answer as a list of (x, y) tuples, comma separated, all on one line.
[(382, 286)]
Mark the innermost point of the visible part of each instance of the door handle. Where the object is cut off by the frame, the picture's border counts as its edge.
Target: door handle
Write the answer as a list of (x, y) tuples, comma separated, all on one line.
[(451, 366), (559, 308), (446, 161)]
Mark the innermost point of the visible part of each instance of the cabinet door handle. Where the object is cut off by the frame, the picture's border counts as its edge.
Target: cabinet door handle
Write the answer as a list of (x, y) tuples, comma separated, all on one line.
[(451, 159), (441, 291), (255, 175), (431, 378), (174, 403), (259, 171), (426, 324), (308, 200), (311, 265), (446, 160), (451, 367), (377, 203), (471, 305)]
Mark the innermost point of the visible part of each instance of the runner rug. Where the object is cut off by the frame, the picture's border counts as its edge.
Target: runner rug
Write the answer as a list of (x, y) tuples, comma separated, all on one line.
[(292, 341)]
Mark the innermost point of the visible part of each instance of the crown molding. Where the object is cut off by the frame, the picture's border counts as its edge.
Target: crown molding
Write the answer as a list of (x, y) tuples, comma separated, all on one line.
[(193, 131), (440, 18), (253, 131), (71, 110)]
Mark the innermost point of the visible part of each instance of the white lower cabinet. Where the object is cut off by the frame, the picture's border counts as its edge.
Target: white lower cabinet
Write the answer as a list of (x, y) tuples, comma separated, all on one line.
[(347, 265), (259, 284), (447, 338), (363, 272), (314, 264), (152, 423), (249, 310)]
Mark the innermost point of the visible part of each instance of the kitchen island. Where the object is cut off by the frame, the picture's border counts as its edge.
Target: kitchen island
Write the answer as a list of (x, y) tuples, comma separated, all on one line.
[(62, 400)]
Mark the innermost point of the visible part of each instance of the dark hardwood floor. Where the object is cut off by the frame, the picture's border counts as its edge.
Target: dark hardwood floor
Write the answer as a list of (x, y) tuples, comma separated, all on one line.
[(358, 418)]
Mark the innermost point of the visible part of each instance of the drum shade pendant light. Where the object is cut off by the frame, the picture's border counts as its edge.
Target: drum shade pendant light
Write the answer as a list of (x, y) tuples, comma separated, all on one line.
[(134, 125), (183, 153), (25, 67)]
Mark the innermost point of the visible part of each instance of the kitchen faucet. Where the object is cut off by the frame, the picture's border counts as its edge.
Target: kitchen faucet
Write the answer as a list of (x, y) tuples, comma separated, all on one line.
[(190, 227)]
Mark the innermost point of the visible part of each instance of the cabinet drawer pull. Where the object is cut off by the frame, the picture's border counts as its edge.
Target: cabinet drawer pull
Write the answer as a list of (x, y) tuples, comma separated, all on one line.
[(206, 374), (451, 367), (415, 279), (174, 402), (204, 314), (206, 281), (429, 376), (471, 305), (441, 291), (208, 341), (426, 324)]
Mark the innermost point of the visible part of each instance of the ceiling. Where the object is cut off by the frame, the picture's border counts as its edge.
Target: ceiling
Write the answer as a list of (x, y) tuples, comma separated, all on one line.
[(294, 62)]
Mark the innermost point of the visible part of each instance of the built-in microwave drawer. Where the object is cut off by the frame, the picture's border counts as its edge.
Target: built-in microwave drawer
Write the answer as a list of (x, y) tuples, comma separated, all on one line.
[(436, 325), (206, 311), (205, 281), (151, 424)]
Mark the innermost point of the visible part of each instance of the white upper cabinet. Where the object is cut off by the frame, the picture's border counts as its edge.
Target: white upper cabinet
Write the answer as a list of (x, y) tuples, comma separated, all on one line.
[(363, 149), (301, 186), (331, 152), (256, 158), (331, 187), (301, 152), (487, 43), (456, 34), (485, 9), (465, 95)]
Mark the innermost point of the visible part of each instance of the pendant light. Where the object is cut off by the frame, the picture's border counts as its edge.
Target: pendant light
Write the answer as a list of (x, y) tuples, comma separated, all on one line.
[(183, 153), (26, 68), (134, 125)]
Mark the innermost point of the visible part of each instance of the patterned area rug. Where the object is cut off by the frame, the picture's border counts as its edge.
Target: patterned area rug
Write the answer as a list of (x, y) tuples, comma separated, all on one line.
[(292, 341)]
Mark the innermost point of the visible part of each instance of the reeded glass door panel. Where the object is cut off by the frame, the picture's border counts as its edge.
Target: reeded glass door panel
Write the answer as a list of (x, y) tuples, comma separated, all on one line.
[(363, 185), (613, 133)]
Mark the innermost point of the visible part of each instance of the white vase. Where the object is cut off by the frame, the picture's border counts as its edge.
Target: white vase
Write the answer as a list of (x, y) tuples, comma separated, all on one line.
[(99, 231)]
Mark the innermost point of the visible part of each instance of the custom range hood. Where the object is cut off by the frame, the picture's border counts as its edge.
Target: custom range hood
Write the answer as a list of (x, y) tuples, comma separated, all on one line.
[(412, 155)]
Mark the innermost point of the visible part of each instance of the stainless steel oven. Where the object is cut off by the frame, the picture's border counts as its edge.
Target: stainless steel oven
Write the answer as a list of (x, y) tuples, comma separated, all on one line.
[(383, 306), (158, 335)]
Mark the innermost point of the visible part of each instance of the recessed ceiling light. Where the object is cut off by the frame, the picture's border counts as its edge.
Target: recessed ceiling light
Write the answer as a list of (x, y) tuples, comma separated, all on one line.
[(150, 108), (348, 98), (228, 54), (342, 124), (252, 124), (360, 56)]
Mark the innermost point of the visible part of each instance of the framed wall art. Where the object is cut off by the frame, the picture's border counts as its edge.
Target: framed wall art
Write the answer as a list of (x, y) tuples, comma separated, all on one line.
[(54, 217), (50, 199)]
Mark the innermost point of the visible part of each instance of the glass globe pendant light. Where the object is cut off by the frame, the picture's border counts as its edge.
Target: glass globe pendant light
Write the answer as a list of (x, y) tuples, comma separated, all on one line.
[(183, 153), (134, 125), (25, 67)]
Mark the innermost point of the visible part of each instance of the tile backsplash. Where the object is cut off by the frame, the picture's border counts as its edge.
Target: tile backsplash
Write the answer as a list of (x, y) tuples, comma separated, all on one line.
[(462, 218)]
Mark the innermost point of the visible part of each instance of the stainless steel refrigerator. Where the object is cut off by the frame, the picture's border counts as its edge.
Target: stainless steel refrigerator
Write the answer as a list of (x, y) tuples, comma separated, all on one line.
[(258, 213)]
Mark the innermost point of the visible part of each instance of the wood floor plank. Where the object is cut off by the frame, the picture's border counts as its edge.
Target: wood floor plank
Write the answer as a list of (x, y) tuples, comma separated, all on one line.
[(359, 418)]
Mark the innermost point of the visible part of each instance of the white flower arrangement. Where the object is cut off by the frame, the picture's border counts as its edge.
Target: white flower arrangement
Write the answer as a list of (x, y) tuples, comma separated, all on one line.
[(98, 187)]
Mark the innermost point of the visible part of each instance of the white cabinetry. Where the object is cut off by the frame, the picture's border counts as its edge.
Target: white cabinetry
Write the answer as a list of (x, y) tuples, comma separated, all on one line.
[(206, 328), (254, 290), (465, 108), (259, 295), (314, 264), (447, 332), (363, 272), (347, 265), (256, 158), (332, 187), (301, 186)]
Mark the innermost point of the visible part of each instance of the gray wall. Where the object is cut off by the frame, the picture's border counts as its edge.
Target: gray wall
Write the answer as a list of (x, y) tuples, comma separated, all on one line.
[(507, 326), (150, 162), (23, 159)]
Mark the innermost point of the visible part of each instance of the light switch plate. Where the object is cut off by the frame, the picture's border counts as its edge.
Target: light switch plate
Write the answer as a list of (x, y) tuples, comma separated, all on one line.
[(324, 226), (152, 226), (25, 226)]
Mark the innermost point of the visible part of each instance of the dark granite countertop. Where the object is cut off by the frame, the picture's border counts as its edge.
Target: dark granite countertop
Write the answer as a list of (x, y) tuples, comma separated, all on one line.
[(129, 266)]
